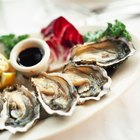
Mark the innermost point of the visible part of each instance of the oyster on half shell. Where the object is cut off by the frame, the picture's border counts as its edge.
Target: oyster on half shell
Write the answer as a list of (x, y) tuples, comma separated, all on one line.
[(1, 113), (55, 93), (91, 82), (1, 104), (21, 108), (104, 53)]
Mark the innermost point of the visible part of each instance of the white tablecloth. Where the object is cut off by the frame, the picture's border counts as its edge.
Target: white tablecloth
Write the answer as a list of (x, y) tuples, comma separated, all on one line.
[(118, 121)]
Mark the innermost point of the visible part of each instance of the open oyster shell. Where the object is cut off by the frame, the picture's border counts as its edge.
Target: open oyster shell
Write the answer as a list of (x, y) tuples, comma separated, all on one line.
[(91, 82), (104, 53), (1, 113), (55, 93), (21, 108), (1, 105)]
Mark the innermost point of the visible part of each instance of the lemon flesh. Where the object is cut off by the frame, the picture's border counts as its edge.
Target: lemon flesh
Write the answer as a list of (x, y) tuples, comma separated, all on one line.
[(7, 73), (7, 78), (4, 64)]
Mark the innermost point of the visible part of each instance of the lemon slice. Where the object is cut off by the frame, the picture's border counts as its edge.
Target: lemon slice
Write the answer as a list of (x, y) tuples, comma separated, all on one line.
[(7, 78), (4, 63)]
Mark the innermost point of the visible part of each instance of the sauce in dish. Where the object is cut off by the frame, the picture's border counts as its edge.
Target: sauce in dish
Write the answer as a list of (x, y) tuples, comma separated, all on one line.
[(30, 56)]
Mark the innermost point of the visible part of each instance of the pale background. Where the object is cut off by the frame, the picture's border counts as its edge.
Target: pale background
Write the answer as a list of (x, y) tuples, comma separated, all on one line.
[(121, 119)]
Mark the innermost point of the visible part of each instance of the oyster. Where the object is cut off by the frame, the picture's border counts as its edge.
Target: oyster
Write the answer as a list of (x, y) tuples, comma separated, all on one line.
[(55, 93), (22, 108), (1, 113), (1, 104), (91, 82), (104, 53)]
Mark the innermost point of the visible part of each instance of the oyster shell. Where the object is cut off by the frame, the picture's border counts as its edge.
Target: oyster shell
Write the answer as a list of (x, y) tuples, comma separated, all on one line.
[(55, 93), (1, 104), (21, 108), (91, 82), (104, 53), (1, 113)]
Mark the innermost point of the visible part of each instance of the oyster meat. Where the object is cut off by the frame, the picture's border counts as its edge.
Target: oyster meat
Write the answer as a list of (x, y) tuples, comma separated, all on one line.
[(104, 53), (21, 109), (55, 93), (91, 82)]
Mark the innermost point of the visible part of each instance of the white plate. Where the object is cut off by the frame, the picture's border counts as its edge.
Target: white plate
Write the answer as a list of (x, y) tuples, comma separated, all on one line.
[(122, 80)]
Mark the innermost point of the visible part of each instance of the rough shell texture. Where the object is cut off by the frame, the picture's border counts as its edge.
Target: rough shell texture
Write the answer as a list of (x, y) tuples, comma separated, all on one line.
[(91, 82), (55, 93), (1, 104), (104, 53), (1, 113), (21, 109)]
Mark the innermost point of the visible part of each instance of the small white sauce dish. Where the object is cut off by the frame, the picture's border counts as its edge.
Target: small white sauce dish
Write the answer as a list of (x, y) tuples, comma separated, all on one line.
[(41, 66)]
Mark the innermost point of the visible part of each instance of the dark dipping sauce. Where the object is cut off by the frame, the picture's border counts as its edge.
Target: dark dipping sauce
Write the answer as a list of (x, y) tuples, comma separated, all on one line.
[(30, 57)]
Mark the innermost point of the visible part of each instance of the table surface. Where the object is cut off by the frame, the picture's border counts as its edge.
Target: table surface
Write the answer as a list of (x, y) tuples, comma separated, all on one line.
[(118, 121)]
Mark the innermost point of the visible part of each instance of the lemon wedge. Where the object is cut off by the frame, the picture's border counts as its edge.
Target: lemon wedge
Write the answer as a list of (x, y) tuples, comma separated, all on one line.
[(7, 78), (7, 72), (4, 63)]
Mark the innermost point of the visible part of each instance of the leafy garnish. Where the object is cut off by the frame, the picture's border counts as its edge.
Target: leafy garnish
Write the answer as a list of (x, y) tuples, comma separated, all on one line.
[(91, 37), (9, 41), (61, 36), (117, 30), (113, 30)]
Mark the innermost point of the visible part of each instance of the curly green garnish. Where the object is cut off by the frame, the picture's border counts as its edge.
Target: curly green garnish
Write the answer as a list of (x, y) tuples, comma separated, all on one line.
[(113, 30), (9, 41)]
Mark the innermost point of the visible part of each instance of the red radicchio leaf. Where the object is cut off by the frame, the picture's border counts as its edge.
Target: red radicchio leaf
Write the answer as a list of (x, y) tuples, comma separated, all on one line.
[(61, 36), (71, 37)]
